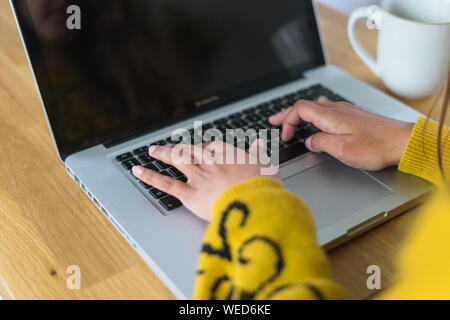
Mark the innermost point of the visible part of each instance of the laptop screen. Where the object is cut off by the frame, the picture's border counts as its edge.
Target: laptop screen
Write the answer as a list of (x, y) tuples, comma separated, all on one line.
[(107, 69)]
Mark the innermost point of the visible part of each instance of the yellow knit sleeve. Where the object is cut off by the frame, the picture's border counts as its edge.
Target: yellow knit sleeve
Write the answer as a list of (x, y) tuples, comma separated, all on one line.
[(421, 155), (424, 261), (261, 244)]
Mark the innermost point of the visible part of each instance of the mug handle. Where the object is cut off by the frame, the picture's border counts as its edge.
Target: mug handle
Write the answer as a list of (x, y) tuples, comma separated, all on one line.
[(361, 13)]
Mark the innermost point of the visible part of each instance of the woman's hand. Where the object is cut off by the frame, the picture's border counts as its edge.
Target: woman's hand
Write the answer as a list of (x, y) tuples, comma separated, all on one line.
[(207, 178), (356, 137)]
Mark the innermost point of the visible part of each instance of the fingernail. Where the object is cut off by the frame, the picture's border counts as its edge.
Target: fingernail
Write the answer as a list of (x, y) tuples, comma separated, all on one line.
[(138, 170), (308, 143), (152, 149)]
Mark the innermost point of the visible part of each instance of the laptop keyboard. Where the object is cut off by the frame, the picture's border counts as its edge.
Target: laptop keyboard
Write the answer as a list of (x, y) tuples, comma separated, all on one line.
[(253, 118)]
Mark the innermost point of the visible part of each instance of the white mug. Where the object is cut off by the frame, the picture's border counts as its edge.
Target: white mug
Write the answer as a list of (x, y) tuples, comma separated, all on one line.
[(413, 44)]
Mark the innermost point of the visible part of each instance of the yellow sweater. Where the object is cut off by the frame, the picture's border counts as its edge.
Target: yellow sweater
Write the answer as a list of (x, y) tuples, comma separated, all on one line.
[(261, 243)]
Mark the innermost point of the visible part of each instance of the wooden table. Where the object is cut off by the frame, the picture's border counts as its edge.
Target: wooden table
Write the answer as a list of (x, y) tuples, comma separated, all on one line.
[(48, 224)]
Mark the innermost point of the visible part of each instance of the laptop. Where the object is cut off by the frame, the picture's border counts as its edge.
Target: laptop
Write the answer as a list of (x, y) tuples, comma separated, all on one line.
[(117, 76)]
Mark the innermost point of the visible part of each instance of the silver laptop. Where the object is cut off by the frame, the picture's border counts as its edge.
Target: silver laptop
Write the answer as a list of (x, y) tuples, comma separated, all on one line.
[(115, 78)]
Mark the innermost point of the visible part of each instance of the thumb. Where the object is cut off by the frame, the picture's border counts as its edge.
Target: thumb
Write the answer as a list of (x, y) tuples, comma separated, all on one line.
[(323, 118), (324, 142)]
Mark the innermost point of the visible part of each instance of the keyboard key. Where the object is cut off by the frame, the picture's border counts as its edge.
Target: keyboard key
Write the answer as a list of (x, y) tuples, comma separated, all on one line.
[(156, 193), (302, 135), (266, 113), (268, 125), (131, 172), (152, 167), (235, 116), (145, 159), (159, 143), (161, 165), (292, 151), (166, 173), (291, 142), (239, 123), (222, 129), (220, 122), (313, 128), (124, 156), (169, 140), (129, 164), (302, 125), (258, 126), (170, 203), (285, 102), (207, 126), (277, 108), (146, 186), (174, 172), (253, 118), (215, 135), (141, 150), (264, 106), (249, 111)]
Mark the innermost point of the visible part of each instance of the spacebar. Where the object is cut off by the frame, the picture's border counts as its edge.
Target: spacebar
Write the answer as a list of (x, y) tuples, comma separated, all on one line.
[(292, 152)]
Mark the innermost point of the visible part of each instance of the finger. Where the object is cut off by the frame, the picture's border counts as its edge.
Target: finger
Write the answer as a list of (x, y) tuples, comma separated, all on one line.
[(322, 117), (164, 183), (326, 142), (277, 119), (175, 157), (293, 118), (258, 152)]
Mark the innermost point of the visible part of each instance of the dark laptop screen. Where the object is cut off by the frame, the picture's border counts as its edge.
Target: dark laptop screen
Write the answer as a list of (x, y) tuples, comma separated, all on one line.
[(136, 65)]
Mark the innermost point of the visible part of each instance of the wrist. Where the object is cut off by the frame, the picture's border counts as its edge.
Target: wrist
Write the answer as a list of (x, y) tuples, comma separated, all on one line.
[(401, 142)]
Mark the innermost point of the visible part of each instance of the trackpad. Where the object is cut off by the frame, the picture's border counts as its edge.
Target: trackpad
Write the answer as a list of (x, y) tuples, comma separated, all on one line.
[(334, 191)]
